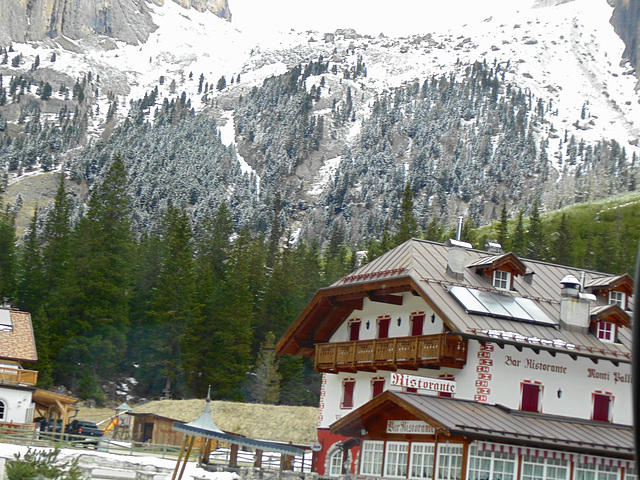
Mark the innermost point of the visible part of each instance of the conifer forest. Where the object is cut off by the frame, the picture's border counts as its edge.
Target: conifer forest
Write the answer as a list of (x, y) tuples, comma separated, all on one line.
[(162, 261)]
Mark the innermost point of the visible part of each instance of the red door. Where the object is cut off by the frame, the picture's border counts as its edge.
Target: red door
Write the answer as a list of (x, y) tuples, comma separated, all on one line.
[(601, 405), (354, 331), (530, 397), (417, 323), (383, 327)]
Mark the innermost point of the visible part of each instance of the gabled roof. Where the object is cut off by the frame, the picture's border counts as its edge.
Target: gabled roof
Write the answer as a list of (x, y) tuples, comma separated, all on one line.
[(611, 313), (492, 422), (419, 267), (16, 340), (623, 283), (499, 262)]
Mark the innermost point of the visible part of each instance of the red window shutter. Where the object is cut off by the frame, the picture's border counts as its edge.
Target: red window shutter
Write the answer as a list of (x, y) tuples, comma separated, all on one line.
[(347, 397), (383, 327), (601, 405), (412, 390), (530, 397), (378, 387), (417, 324), (354, 331)]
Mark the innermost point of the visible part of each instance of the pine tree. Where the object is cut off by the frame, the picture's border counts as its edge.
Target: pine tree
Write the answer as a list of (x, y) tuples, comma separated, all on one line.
[(7, 252), (562, 242), (534, 237), (265, 384), (503, 228), (518, 240), (407, 226), (31, 291)]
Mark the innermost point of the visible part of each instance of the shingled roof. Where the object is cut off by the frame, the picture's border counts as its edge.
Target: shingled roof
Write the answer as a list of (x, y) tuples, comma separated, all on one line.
[(17, 342), (420, 267)]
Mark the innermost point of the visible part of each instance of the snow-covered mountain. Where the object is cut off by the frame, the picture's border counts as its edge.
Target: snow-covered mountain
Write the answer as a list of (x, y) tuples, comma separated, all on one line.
[(564, 57)]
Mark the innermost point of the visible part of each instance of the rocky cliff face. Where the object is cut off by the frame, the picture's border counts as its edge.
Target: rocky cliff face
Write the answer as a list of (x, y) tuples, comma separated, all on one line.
[(126, 20), (626, 21)]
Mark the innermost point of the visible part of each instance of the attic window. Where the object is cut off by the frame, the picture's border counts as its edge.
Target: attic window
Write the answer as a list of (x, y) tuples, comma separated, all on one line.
[(501, 279), (617, 298), (606, 331)]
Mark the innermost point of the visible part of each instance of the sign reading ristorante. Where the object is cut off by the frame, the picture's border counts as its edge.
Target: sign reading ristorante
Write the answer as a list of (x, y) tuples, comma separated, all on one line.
[(423, 383), (409, 426)]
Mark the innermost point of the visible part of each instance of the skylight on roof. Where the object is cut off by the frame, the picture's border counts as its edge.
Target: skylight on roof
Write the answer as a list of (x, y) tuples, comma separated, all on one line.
[(5, 320), (502, 306)]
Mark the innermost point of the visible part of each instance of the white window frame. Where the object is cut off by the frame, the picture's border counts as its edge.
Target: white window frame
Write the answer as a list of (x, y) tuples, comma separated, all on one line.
[(421, 460), (449, 461), (371, 455), (595, 471), (630, 474), (534, 468), (396, 458), (485, 464), (617, 298), (606, 331), (501, 279), (335, 464)]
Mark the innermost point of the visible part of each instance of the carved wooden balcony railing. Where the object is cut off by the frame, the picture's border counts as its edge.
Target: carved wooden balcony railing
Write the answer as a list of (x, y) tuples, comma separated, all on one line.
[(411, 353), (17, 376)]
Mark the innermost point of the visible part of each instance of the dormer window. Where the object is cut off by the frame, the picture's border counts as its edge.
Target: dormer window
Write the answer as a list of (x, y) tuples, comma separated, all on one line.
[(501, 279), (617, 298), (606, 331)]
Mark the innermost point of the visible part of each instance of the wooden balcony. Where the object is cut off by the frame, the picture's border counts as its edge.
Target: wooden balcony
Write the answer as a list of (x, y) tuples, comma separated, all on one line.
[(17, 376), (411, 353)]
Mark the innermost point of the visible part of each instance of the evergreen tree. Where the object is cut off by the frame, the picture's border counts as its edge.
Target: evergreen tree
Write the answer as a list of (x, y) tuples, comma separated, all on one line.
[(503, 228), (534, 238), (172, 307), (92, 304), (407, 226), (518, 240), (562, 242), (264, 386), (7, 252), (31, 290)]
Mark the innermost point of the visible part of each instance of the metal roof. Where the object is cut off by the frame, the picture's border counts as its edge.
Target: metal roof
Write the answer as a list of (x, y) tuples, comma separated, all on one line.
[(498, 424), (420, 266)]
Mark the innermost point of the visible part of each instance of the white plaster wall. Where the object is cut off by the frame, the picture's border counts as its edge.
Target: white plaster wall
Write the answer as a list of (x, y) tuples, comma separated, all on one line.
[(492, 371), (372, 310), (17, 404)]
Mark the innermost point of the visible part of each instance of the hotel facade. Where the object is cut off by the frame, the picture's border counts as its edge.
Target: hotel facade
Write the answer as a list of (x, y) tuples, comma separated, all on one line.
[(441, 361)]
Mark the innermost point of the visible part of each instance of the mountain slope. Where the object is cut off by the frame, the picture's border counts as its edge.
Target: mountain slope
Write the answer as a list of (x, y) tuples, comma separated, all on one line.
[(539, 104)]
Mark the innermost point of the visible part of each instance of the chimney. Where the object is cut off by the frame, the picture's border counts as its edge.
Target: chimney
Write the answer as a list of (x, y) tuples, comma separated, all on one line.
[(457, 257), (493, 247), (574, 304)]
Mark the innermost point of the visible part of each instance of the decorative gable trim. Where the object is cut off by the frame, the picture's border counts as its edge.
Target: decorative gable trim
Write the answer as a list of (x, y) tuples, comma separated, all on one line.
[(609, 313), (507, 262), (603, 285)]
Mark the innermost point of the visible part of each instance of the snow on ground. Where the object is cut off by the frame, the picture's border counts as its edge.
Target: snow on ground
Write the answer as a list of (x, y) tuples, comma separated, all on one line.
[(125, 462)]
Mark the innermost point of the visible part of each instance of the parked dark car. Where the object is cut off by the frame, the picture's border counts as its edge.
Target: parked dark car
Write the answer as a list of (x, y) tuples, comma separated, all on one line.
[(84, 431), (47, 425)]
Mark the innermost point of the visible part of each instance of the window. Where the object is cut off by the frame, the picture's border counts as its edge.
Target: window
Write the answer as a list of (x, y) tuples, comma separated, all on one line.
[(606, 331), (501, 279), (449, 461), (348, 386), (617, 298), (540, 468), (487, 464), (594, 471), (335, 463), (631, 474), (531, 397), (354, 330), (395, 463), (377, 386), (421, 464), (371, 457), (383, 327), (446, 376), (417, 324), (3, 410), (602, 407)]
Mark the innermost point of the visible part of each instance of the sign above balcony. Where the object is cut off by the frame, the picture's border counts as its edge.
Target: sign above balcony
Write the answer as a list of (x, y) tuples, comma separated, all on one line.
[(423, 383)]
